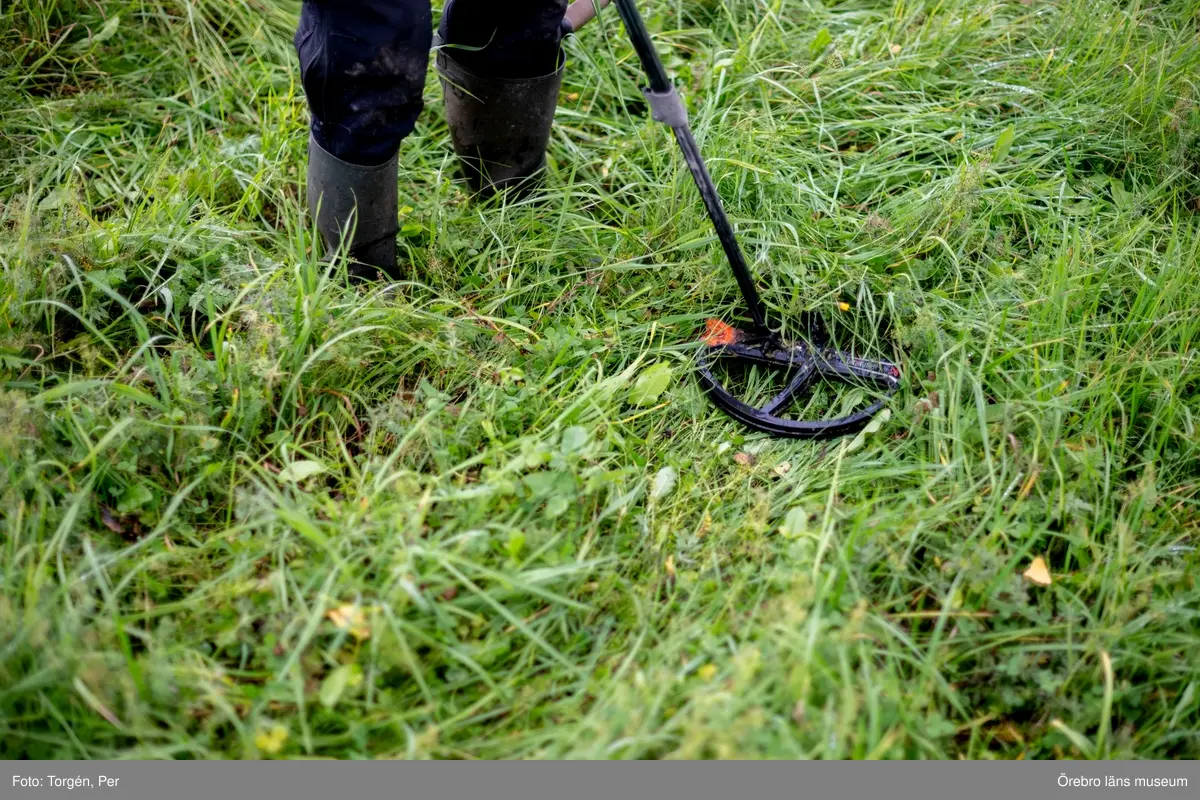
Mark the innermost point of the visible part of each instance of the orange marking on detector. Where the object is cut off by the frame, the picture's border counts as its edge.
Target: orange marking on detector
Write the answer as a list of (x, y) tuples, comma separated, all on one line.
[(718, 333)]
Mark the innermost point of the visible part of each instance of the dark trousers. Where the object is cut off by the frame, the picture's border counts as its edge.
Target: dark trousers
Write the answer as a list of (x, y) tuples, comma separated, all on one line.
[(363, 62)]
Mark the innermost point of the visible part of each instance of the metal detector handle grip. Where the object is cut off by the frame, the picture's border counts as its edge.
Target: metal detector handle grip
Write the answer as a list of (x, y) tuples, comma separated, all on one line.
[(580, 13)]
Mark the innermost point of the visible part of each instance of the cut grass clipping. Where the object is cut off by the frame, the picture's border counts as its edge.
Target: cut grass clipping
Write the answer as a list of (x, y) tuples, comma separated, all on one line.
[(248, 512)]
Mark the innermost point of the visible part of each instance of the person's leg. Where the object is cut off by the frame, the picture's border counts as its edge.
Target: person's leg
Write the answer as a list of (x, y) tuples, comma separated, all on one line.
[(363, 66), (516, 39), (500, 67)]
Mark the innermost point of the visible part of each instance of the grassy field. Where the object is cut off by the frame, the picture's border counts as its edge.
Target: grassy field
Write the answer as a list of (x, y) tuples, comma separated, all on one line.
[(246, 511)]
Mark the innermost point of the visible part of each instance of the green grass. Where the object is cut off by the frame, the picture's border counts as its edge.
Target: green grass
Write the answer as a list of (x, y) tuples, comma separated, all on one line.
[(212, 452)]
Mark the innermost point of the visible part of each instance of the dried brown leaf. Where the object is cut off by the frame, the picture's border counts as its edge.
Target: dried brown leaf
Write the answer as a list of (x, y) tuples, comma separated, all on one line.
[(1038, 572)]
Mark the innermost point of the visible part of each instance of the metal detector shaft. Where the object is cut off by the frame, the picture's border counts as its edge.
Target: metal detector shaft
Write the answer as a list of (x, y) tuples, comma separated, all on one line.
[(666, 106)]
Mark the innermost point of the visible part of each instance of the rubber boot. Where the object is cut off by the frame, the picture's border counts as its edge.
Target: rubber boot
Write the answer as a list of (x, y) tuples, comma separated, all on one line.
[(336, 191), (500, 126)]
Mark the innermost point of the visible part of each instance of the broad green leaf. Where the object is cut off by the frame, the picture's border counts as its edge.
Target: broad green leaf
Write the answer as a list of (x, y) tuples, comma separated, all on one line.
[(575, 438), (822, 40), (872, 427), (1003, 143), (1122, 198), (299, 470), (56, 198), (168, 298), (795, 524), (651, 384), (134, 497), (851, 401), (516, 543), (106, 32), (557, 505), (109, 30), (999, 411), (335, 684), (544, 483), (664, 483)]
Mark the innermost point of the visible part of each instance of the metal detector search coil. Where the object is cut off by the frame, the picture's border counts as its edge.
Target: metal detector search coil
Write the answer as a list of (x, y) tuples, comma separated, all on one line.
[(804, 364)]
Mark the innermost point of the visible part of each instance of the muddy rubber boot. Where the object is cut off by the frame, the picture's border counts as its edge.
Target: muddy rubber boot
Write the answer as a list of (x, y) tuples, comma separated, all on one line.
[(500, 126), (336, 191)]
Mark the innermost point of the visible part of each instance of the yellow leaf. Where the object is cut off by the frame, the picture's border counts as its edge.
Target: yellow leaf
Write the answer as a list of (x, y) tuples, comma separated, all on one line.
[(350, 618), (1038, 572), (271, 740), (707, 672)]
